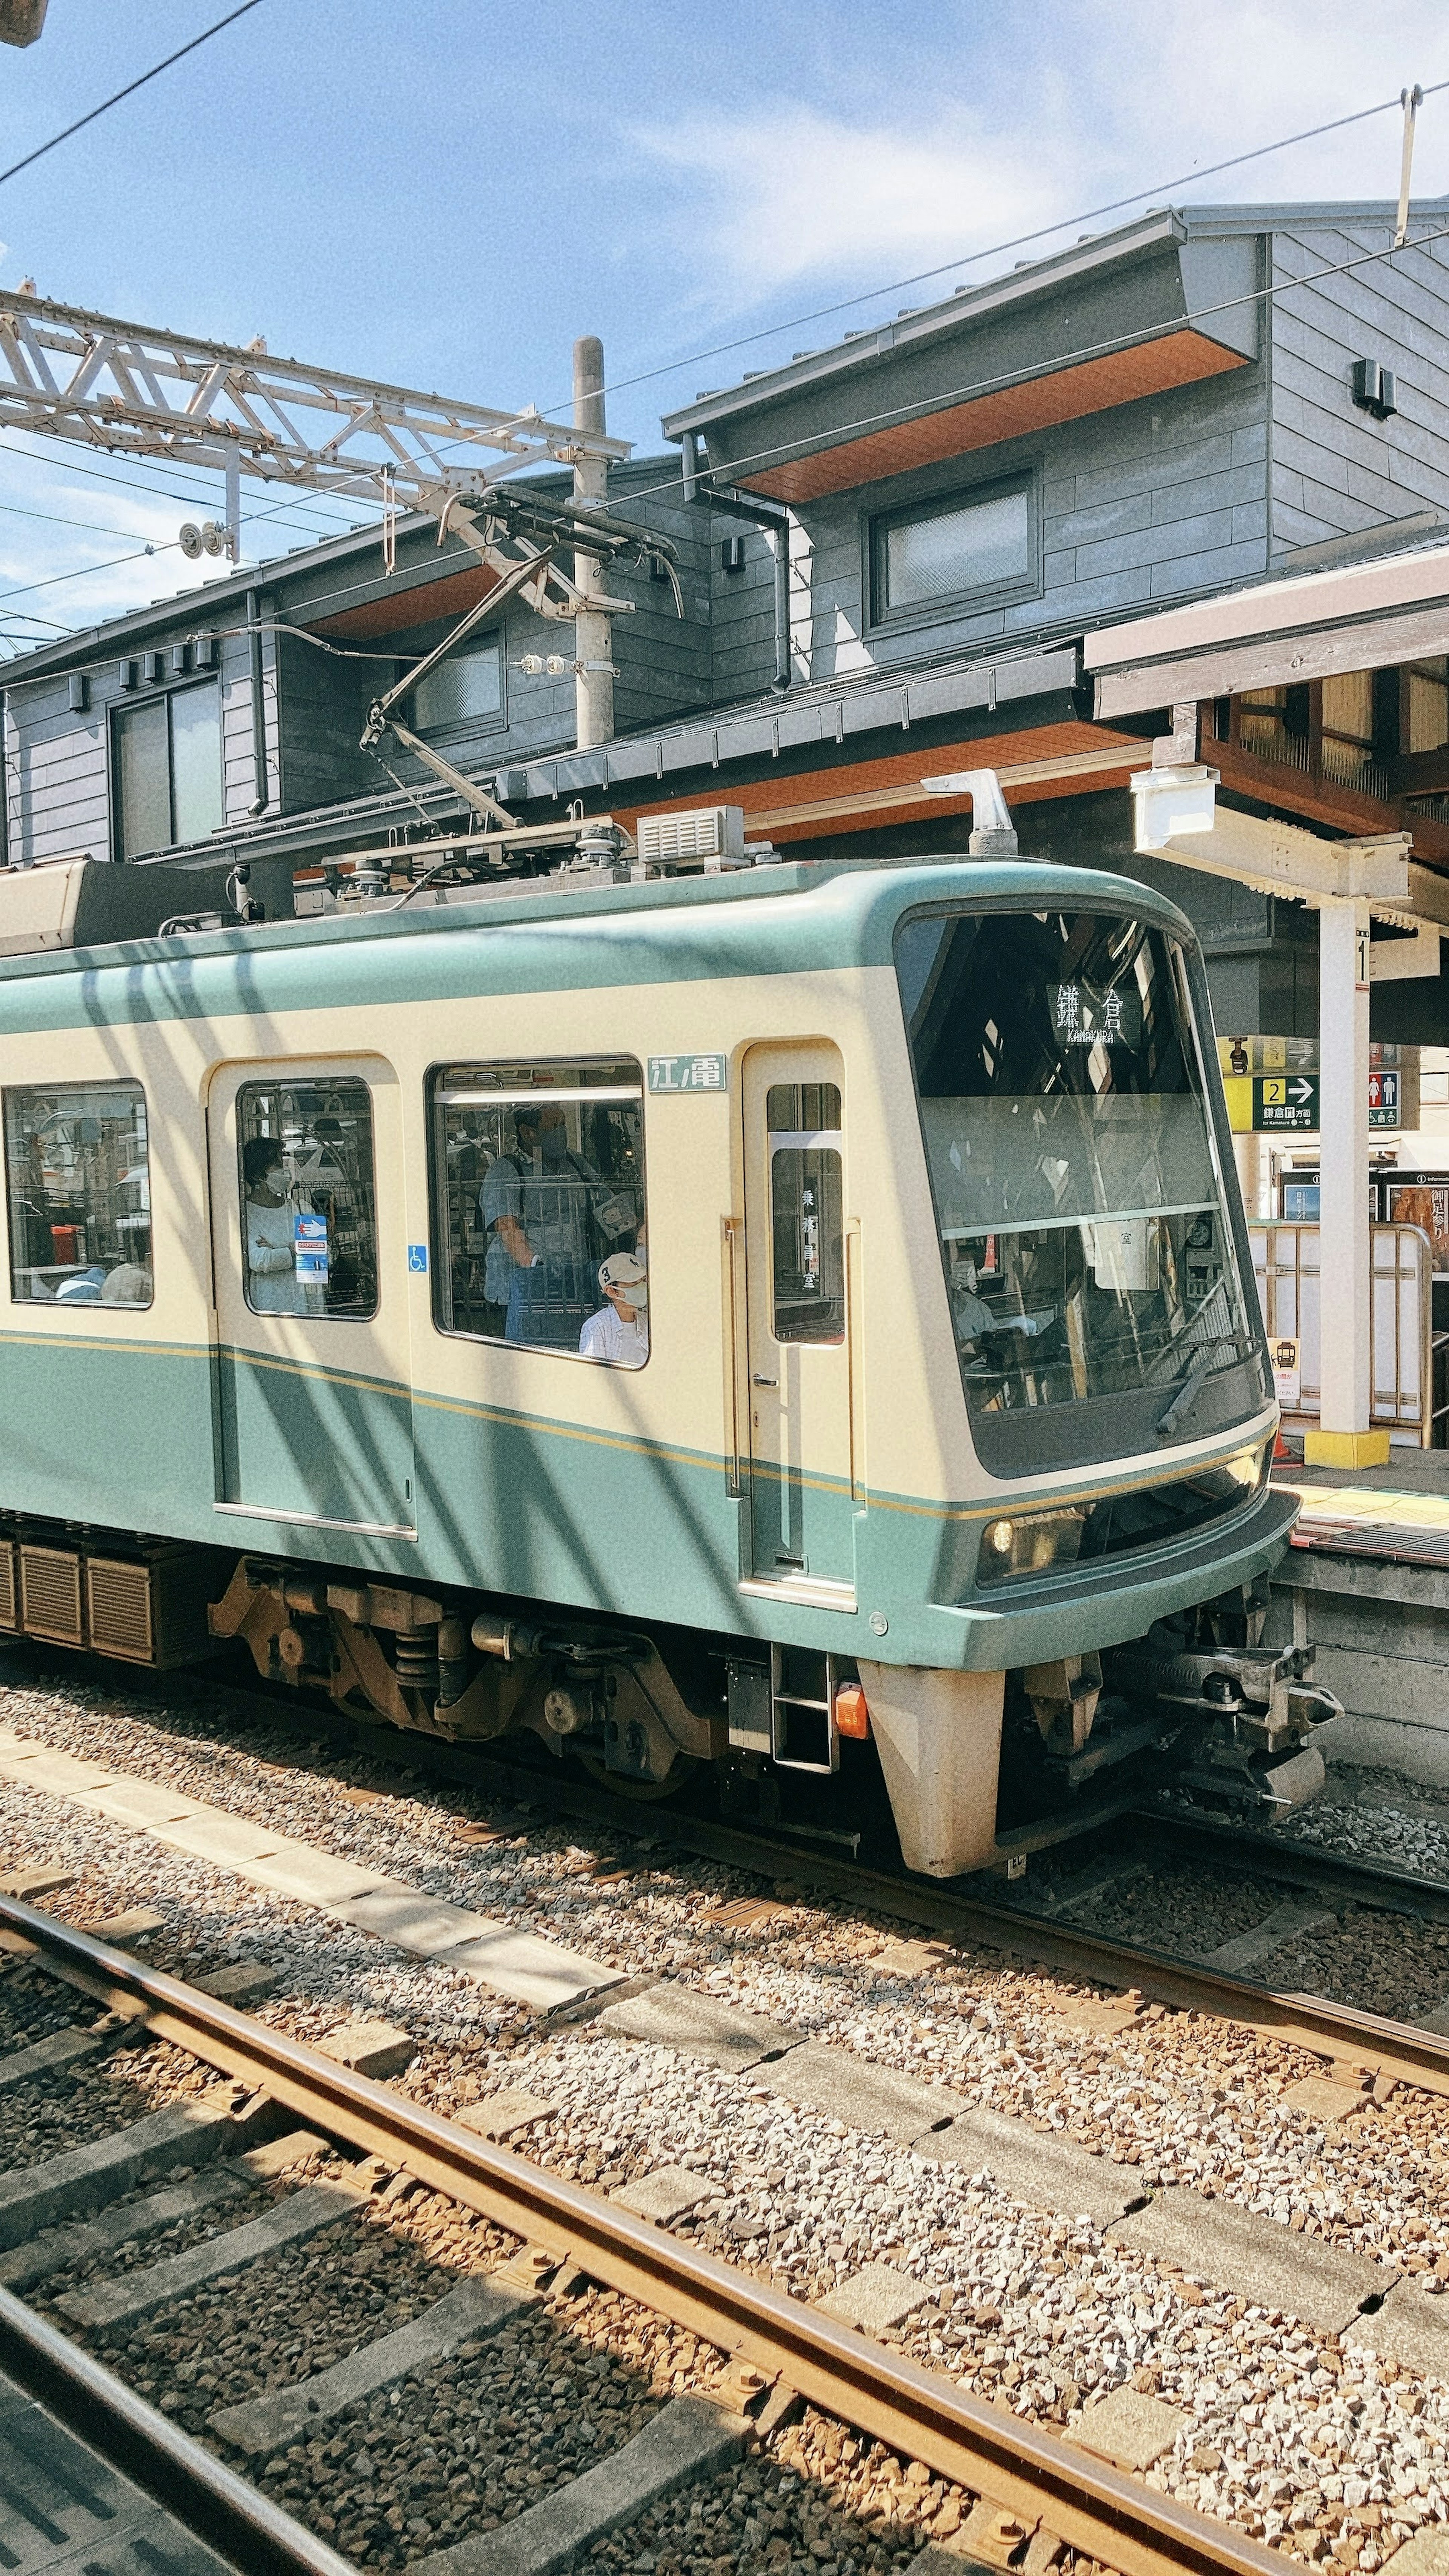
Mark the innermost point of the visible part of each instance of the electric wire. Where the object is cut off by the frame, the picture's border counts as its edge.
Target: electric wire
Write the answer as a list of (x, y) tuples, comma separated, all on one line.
[(760, 459), (129, 91), (192, 499), (1017, 241)]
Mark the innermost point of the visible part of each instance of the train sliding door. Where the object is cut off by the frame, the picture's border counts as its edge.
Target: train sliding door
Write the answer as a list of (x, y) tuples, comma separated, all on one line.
[(314, 1417), (801, 1511)]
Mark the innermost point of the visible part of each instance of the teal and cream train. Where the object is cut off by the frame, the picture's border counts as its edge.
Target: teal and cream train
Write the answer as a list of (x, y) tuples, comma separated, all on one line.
[(700, 1318)]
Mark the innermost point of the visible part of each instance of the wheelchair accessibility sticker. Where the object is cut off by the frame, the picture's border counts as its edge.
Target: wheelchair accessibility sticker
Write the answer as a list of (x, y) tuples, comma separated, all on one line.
[(417, 1256)]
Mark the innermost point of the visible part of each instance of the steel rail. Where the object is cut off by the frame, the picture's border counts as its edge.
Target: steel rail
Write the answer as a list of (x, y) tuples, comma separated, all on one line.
[(235, 2519), (1030, 2473), (1367, 2042), (1373, 1883)]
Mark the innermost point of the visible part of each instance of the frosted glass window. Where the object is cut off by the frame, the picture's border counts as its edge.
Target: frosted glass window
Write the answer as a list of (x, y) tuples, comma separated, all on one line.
[(142, 785), (943, 554), (461, 690), (168, 770), (195, 763)]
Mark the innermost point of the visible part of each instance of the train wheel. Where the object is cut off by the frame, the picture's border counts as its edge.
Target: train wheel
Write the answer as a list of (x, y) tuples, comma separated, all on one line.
[(641, 1793)]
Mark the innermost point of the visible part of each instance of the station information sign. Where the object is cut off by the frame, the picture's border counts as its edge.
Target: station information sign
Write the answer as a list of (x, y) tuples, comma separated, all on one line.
[(1288, 1104), (1384, 1098)]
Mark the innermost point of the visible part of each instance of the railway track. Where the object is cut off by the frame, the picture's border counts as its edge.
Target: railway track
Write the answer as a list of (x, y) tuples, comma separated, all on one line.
[(1365, 2045), (770, 2347)]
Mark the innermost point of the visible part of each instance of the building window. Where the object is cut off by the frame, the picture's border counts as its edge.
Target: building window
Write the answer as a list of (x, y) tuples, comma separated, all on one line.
[(976, 548), (538, 1195), (166, 755), (308, 1198), (80, 1194), (466, 689), (1425, 705)]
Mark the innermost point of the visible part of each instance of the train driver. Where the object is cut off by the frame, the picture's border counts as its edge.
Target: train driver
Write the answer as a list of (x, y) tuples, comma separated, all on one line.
[(536, 1207), (620, 1330), (273, 1287)]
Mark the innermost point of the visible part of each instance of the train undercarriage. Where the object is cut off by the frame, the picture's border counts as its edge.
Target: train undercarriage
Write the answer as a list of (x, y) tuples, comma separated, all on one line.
[(976, 1770)]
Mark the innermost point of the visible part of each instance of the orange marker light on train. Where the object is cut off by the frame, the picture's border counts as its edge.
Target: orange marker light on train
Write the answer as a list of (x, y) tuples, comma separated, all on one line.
[(852, 1717)]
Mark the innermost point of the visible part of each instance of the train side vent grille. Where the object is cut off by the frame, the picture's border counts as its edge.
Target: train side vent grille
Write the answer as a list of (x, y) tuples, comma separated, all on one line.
[(711, 832), (50, 1595), (119, 1599), (9, 1589)]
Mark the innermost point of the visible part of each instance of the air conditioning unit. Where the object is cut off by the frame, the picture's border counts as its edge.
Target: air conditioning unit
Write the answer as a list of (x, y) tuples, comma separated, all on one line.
[(712, 834)]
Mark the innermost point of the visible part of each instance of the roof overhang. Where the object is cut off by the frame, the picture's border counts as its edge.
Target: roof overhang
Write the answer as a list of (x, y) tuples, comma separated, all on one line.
[(1153, 306), (1365, 617)]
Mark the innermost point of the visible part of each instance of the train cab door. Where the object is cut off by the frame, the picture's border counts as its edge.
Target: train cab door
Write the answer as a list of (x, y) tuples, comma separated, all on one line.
[(798, 1326), (314, 1417)]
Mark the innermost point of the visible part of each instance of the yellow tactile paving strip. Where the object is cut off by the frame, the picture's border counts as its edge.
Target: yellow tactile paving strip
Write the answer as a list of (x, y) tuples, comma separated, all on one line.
[(1378, 1521), (1356, 1506)]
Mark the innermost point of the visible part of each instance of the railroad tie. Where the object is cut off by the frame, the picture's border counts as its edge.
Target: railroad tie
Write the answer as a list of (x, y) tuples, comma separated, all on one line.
[(137, 2294), (90, 2240), (263, 2426), (84, 2179), (689, 2438), (50, 2055)]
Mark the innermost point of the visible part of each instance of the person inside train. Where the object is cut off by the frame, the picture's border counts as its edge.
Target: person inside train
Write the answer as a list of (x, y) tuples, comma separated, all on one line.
[(620, 1330), (273, 1287), (538, 1207)]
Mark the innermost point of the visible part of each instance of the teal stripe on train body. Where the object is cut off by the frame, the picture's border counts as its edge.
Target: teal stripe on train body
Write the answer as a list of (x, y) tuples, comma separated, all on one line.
[(539, 1508), (793, 920)]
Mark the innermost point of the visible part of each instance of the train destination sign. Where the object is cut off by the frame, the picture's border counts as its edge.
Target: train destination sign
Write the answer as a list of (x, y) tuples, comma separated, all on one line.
[(688, 1073)]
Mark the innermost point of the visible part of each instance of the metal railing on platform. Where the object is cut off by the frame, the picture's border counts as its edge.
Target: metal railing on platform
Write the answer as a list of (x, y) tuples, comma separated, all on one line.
[(1410, 1382)]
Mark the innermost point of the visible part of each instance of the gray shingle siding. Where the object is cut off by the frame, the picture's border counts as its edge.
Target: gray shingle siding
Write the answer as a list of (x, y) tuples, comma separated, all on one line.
[(1336, 470)]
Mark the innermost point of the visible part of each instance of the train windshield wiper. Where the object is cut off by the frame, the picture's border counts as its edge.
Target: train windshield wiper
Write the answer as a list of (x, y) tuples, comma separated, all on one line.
[(1204, 1366)]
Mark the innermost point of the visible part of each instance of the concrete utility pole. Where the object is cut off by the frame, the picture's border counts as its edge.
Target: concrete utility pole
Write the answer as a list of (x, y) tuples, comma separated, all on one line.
[(593, 630)]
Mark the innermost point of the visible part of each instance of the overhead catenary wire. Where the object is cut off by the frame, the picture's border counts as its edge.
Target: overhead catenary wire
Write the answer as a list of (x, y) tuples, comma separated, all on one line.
[(204, 477), (761, 458), (1017, 241), (91, 114)]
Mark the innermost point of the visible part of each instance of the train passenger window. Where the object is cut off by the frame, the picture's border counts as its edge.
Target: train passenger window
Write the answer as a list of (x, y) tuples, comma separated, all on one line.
[(308, 1198), (80, 1194), (806, 1201), (538, 1200)]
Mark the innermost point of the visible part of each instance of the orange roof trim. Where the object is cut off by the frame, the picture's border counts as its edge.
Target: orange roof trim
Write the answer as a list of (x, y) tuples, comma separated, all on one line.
[(1099, 384)]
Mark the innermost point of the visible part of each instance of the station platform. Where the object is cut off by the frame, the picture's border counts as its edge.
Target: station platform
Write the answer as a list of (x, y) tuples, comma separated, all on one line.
[(1366, 1583)]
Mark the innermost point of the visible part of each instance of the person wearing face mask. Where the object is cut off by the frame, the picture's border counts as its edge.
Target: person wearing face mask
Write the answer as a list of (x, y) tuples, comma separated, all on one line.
[(273, 1287), (619, 1332), (535, 1207)]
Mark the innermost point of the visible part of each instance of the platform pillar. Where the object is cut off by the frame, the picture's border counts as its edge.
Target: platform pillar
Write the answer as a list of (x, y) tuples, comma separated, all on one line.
[(1345, 1436)]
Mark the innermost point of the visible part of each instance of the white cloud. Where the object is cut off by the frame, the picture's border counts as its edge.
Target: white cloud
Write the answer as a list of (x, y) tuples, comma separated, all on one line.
[(800, 194), (1090, 99)]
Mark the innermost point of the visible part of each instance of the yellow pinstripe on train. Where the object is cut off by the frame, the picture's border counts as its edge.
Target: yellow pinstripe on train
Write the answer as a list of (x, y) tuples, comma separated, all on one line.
[(784, 1335)]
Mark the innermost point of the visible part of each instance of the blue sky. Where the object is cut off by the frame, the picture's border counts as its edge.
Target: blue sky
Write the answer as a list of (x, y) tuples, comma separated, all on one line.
[(444, 194)]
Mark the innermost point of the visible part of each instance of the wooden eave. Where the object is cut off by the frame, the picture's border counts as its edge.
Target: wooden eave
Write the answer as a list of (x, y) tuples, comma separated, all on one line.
[(932, 434)]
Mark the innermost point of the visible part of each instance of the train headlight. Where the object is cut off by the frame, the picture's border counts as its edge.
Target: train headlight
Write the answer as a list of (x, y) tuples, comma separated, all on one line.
[(1029, 1543)]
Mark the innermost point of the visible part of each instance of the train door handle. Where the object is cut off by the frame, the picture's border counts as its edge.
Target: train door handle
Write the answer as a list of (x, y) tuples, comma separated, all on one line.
[(764, 1381)]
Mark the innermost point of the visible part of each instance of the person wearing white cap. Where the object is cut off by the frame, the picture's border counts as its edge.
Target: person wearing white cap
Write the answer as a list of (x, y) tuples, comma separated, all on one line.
[(620, 1330)]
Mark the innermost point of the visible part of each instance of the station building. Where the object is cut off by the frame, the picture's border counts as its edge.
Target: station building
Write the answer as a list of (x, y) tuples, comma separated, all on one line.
[(1156, 527)]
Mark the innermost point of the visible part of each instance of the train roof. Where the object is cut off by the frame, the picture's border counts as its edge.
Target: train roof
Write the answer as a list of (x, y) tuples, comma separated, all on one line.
[(778, 918)]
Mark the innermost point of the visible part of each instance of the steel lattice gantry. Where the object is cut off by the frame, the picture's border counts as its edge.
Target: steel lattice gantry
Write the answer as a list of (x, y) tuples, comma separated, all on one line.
[(66, 373)]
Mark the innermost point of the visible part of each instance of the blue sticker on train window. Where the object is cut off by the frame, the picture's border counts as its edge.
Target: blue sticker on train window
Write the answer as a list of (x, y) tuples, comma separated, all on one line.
[(688, 1073), (417, 1256)]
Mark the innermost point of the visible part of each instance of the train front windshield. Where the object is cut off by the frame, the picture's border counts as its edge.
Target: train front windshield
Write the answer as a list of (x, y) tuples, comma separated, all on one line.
[(1093, 1277)]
